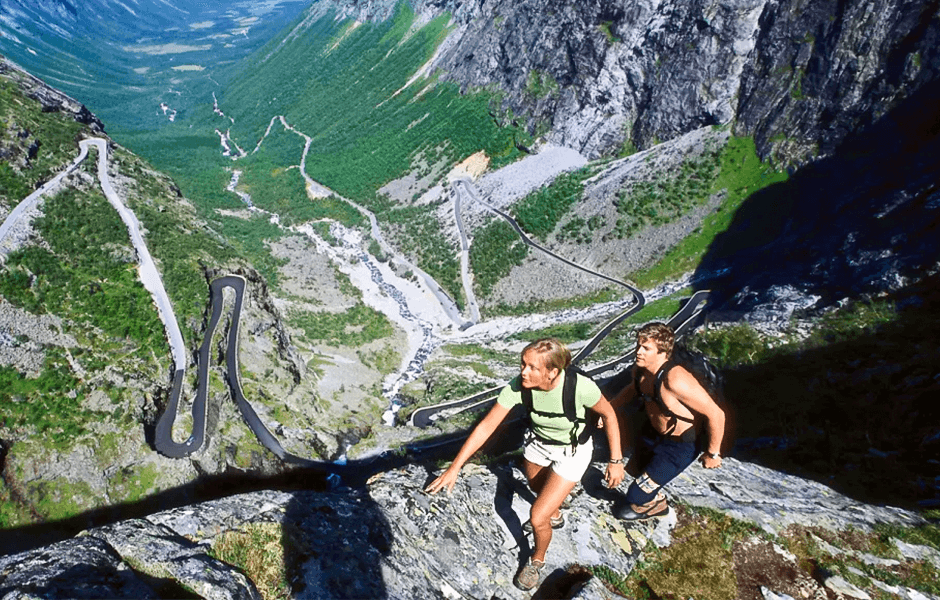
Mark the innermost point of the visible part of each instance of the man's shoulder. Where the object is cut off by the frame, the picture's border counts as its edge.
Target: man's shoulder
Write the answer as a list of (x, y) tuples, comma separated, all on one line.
[(681, 384), (674, 369)]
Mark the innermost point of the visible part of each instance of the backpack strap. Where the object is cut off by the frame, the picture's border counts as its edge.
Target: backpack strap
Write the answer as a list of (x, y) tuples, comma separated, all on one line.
[(569, 407), (658, 396)]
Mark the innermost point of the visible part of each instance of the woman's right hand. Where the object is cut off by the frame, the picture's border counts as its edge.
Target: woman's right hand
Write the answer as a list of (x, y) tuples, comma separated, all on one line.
[(446, 479)]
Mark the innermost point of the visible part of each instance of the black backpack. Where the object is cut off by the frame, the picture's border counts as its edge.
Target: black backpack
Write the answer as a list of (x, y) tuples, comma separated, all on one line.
[(568, 406), (705, 372)]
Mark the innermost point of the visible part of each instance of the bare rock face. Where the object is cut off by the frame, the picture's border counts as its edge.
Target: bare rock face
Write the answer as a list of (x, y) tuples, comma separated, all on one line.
[(391, 540)]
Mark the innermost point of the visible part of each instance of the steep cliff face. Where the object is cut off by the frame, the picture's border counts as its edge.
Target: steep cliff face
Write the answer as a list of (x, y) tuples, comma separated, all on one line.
[(595, 75), (824, 69), (84, 365)]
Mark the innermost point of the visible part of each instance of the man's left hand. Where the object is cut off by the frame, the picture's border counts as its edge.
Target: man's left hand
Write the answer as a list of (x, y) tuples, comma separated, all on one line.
[(710, 463)]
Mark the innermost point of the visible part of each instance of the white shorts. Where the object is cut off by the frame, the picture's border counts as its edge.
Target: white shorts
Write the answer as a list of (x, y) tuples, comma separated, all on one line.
[(569, 463)]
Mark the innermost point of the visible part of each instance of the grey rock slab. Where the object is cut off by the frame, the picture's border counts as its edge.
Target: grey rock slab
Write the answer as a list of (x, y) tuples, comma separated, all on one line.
[(208, 519), (471, 541), (160, 552), (917, 552), (773, 500), (864, 557), (904, 593), (769, 594), (76, 568), (593, 589), (843, 588)]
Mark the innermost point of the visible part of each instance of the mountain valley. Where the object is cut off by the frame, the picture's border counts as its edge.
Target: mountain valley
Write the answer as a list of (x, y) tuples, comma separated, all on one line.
[(347, 161)]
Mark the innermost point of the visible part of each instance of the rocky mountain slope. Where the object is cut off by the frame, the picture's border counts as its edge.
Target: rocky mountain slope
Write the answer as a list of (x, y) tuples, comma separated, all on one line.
[(85, 364), (390, 540), (798, 76)]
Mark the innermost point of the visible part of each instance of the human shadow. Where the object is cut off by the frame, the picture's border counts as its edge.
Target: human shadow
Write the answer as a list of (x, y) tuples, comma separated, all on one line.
[(334, 543)]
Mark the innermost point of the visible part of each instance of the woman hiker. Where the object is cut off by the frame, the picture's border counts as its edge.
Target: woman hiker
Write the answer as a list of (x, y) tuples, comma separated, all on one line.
[(557, 451)]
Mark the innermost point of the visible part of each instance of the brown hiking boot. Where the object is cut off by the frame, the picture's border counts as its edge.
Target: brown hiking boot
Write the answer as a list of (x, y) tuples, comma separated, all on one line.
[(530, 574), (628, 512)]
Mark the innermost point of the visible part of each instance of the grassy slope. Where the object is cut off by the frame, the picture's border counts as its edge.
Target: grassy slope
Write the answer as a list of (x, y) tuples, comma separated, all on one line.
[(340, 84), (78, 273)]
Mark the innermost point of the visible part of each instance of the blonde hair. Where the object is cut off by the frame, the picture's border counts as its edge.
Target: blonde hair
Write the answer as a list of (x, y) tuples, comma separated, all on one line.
[(557, 355)]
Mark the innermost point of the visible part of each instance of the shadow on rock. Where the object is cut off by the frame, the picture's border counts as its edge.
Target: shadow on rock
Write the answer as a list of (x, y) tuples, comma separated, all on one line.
[(334, 545)]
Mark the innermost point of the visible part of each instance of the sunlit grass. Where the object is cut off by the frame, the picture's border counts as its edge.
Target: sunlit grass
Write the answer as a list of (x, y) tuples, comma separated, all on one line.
[(258, 550)]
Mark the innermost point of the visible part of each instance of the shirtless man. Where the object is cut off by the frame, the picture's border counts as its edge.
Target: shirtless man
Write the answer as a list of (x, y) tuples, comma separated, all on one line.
[(666, 444)]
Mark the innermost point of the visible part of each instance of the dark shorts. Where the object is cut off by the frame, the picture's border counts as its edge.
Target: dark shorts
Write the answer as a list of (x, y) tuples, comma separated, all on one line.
[(656, 461)]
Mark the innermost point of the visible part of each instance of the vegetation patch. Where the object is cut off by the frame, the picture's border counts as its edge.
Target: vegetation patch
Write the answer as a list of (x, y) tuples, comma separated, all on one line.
[(85, 273), (12, 511), (740, 174), (53, 137), (133, 482), (539, 85), (496, 249), (605, 28), (579, 230), (384, 360), (608, 294), (48, 406), (60, 499), (357, 326), (419, 234), (541, 211), (662, 200), (697, 564), (813, 546), (258, 549), (276, 185)]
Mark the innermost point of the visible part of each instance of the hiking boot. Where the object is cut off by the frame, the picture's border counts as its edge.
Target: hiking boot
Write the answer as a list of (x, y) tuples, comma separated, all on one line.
[(625, 511), (530, 574), (556, 523)]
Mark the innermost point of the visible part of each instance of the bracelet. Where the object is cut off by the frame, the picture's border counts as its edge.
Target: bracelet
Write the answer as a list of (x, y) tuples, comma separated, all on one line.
[(714, 454), (615, 461)]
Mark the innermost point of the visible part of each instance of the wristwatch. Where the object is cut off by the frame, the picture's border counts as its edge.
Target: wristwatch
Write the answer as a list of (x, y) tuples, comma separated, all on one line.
[(615, 461), (714, 454)]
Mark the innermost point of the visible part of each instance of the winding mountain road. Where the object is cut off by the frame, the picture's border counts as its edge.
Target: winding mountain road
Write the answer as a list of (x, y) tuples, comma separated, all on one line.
[(147, 269), (163, 434), (150, 277), (681, 321)]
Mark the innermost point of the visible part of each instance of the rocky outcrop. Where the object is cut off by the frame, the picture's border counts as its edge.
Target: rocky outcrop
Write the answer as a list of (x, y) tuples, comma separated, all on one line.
[(52, 100), (391, 540)]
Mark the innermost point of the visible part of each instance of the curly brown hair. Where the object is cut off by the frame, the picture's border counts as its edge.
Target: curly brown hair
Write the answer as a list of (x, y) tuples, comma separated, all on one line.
[(659, 333)]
